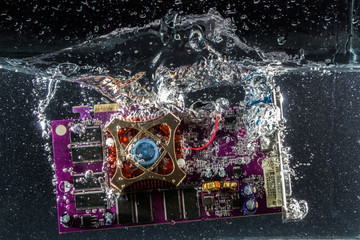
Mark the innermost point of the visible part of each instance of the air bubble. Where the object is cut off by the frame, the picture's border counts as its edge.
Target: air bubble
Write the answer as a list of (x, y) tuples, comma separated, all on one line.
[(281, 40)]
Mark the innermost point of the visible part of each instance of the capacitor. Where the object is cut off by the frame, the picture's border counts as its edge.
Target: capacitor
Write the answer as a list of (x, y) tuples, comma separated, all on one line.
[(250, 206), (66, 220), (108, 217), (237, 171), (248, 190), (221, 173), (207, 174)]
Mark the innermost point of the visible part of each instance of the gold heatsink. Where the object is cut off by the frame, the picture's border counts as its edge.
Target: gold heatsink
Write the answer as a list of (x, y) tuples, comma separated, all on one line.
[(124, 152)]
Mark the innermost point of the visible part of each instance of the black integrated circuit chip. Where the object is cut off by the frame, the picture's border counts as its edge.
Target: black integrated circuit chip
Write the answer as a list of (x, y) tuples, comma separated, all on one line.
[(208, 201), (191, 204), (91, 134), (81, 183), (172, 205), (86, 154), (125, 210), (230, 120), (88, 221), (143, 207), (90, 200), (237, 203)]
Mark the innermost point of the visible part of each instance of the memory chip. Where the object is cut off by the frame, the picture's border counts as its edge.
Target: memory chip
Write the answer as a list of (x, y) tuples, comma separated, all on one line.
[(191, 204), (81, 183), (172, 205), (90, 200), (125, 210), (91, 134), (86, 154), (143, 207)]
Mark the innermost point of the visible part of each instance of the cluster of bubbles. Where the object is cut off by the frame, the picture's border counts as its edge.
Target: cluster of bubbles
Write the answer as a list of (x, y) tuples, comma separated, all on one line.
[(296, 209)]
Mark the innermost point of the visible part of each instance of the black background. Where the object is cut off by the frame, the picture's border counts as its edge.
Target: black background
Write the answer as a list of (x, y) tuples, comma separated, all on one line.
[(322, 113)]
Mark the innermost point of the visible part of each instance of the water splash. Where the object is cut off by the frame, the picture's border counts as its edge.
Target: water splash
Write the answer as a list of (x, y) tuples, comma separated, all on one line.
[(157, 66)]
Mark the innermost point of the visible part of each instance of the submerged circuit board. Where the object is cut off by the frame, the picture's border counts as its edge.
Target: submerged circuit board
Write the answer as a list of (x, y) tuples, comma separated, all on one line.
[(115, 170)]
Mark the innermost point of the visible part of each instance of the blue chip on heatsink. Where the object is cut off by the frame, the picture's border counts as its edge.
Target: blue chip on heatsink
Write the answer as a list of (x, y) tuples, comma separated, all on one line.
[(145, 152)]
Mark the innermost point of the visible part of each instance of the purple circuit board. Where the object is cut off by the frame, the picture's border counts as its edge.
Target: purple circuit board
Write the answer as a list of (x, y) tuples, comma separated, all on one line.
[(225, 179)]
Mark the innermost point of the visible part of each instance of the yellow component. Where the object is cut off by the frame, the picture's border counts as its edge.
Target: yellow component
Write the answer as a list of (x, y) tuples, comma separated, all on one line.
[(272, 180), (111, 107), (229, 185), (211, 186)]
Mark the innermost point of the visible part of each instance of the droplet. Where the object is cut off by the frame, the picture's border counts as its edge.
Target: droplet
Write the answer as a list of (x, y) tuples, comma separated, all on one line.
[(281, 40)]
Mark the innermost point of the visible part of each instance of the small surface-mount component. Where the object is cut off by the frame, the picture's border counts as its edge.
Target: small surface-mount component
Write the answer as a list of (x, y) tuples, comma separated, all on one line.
[(236, 203), (172, 205), (208, 201), (229, 185), (248, 190), (267, 143), (90, 200), (231, 120), (190, 203), (88, 221), (124, 210), (143, 207), (86, 154), (211, 186), (250, 206)]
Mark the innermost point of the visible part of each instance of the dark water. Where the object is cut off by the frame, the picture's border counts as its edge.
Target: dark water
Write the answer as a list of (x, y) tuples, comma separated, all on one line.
[(320, 91)]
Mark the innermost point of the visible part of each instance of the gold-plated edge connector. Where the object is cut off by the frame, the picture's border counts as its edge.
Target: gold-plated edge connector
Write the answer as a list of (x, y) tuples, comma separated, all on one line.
[(110, 107)]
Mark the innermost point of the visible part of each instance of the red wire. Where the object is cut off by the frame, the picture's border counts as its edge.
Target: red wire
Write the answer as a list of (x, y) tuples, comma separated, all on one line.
[(212, 137)]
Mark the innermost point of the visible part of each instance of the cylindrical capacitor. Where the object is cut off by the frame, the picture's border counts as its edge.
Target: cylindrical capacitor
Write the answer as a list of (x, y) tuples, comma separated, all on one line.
[(221, 173), (250, 206), (108, 217), (237, 171), (207, 174), (66, 220), (248, 191)]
